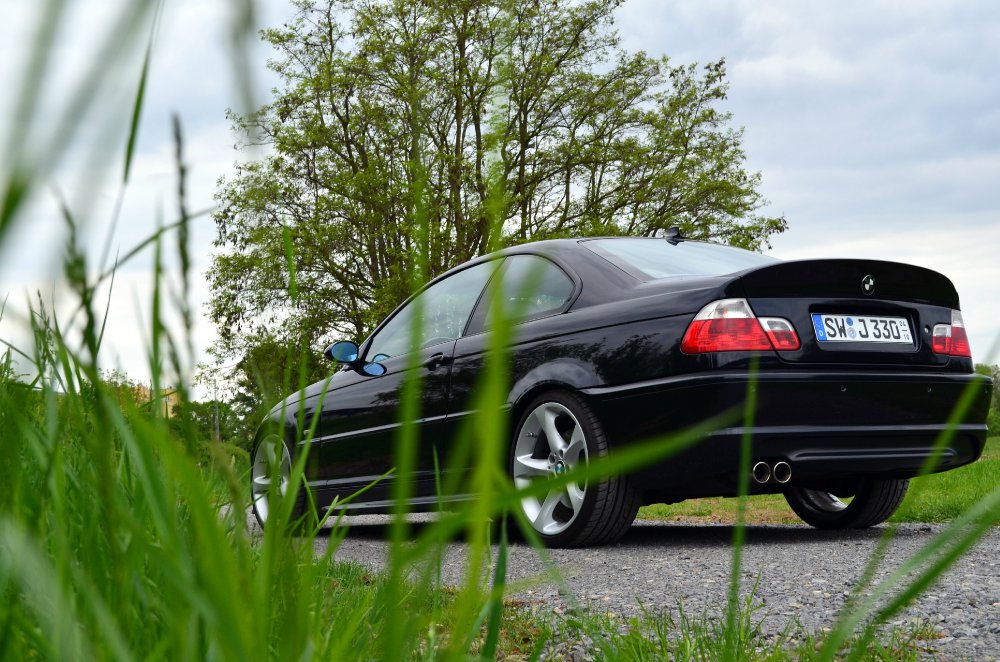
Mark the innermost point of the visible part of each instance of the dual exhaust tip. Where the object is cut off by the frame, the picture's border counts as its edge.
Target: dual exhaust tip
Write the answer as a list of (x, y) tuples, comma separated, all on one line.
[(780, 472)]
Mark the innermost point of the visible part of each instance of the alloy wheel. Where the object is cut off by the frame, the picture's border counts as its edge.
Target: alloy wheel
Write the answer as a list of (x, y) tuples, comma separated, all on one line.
[(550, 443), (264, 472)]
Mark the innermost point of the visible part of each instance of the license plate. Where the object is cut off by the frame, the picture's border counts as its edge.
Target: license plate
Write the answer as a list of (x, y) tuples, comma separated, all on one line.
[(862, 328)]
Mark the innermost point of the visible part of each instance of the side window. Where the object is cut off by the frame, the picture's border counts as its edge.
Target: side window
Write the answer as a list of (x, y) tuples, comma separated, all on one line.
[(532, 286), (446, 309)]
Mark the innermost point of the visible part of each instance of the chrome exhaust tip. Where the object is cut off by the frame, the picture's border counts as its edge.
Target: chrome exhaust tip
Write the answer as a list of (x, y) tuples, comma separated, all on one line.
[(761, 472), (782, 472)]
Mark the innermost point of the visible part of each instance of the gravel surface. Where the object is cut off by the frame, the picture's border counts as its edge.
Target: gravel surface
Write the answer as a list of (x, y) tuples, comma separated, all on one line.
[(804, 574)]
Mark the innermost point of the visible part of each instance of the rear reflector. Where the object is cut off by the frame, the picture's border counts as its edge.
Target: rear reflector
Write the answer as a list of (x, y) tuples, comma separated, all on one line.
[(729, 325), (951, 339)]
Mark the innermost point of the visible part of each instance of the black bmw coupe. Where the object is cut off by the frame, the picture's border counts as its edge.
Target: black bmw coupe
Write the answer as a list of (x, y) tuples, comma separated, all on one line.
[(859, 366)]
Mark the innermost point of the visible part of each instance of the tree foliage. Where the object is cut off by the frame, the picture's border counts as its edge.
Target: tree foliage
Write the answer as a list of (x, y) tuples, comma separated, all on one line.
[(993, 371), (993, 418), (390, 106), (209, 421), (267, 372)]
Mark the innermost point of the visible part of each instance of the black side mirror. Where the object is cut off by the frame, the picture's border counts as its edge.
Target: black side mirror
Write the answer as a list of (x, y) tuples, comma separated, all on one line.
[(343, 351)]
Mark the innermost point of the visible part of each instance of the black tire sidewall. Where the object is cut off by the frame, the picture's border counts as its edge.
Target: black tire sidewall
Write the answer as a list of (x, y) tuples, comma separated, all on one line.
[(870, 505)]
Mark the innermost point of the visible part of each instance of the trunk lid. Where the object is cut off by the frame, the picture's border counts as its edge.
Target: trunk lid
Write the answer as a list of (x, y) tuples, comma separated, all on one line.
[(827, 299)]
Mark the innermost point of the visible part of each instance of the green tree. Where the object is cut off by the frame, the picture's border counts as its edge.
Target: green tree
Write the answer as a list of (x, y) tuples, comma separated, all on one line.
[(993, 418), (125, 390), (390, 106), (994, 372), (267, 372), (208, 421)]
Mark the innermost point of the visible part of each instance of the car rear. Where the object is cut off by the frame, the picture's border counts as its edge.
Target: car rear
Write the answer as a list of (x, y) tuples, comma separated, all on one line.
[(859, 368)]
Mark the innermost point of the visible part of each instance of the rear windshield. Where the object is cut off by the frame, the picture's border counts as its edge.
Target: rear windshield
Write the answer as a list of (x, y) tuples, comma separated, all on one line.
[(657, 258)]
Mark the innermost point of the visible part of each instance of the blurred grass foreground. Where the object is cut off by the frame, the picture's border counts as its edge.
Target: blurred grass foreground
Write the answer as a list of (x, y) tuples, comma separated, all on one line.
[(123, 531)]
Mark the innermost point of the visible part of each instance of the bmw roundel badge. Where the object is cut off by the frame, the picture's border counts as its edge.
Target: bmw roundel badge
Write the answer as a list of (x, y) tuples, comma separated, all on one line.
[(868, 285)]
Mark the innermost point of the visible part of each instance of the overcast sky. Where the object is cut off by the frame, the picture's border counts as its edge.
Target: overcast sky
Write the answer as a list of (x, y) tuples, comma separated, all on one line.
[(876, 126)]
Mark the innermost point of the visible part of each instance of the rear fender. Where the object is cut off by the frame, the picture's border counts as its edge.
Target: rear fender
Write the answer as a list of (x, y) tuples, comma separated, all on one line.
[(568, 373)]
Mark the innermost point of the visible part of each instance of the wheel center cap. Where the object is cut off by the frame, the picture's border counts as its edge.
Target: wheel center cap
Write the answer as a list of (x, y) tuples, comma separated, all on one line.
[(559, 468)]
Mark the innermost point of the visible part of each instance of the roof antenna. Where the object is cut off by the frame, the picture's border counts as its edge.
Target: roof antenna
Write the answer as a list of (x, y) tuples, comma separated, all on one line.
[(673, 236)]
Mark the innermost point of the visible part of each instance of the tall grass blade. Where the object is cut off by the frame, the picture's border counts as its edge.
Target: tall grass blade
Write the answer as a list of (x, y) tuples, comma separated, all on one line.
[(489, 650), (23, 562), (731, 636), (851, 615), (140, 96)]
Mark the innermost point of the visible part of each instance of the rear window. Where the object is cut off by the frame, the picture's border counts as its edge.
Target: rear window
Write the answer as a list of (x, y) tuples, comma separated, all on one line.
[(648, 259)]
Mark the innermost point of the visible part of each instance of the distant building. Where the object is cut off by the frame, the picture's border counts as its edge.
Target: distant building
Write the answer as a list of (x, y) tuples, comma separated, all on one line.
[(170, 398)]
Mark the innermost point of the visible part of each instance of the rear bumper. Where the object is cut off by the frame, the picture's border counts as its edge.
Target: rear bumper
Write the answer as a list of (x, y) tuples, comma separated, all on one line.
[(827, 425)]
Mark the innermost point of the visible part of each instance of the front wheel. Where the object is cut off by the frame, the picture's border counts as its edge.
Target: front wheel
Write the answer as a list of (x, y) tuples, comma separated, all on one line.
[(270, 475), (873, 503), (559, 433)]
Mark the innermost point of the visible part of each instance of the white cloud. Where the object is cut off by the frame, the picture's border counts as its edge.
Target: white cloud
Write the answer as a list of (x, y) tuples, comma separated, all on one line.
[(192, 76), (817, 65), (876, 125)]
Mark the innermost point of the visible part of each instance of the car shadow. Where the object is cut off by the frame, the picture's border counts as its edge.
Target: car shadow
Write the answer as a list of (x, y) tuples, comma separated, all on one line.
[(649, 534), (659, 534)]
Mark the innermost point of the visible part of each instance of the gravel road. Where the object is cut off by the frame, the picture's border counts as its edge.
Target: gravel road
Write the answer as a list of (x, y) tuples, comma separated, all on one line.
[(804, 574)]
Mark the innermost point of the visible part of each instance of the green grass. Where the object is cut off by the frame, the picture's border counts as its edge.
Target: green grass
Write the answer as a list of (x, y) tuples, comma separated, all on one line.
[(945, 496), (935, 498), (663, 634)]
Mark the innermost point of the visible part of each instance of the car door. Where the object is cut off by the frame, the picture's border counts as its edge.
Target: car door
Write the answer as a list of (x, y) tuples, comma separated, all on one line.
[(531, 287), (360, 423)]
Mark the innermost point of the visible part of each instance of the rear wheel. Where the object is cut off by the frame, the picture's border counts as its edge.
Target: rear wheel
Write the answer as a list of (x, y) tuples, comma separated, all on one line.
[(873, 503), (558, 433)]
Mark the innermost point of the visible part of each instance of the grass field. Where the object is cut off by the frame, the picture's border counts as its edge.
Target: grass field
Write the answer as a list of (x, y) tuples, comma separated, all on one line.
[(936, 498)]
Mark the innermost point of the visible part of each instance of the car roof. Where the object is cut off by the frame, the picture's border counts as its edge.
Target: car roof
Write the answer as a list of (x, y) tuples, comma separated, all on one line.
[(601, 279)]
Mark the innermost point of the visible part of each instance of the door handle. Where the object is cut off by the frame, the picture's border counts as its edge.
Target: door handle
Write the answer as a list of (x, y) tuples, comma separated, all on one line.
[(436, 360)]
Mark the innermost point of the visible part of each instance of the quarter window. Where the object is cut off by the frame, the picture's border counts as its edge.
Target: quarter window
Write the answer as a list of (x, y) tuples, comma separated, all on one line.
[(531, 287)]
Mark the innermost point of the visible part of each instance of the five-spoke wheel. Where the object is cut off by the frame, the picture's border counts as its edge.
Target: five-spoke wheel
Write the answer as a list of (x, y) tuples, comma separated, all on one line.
[(557, 434), (550, 443), (271, 462)]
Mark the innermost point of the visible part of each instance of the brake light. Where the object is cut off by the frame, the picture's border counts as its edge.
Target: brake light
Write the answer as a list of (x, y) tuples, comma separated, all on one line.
[(951, 339), (729, 325)]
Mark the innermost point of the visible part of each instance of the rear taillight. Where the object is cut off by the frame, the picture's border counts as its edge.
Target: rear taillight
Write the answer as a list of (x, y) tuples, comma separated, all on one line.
[(951, 339), (729, 325), (781, 333)]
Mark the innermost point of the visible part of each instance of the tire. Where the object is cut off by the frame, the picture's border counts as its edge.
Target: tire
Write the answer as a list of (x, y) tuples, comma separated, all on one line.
[(874, 502), (575, 515), (262, 472)]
